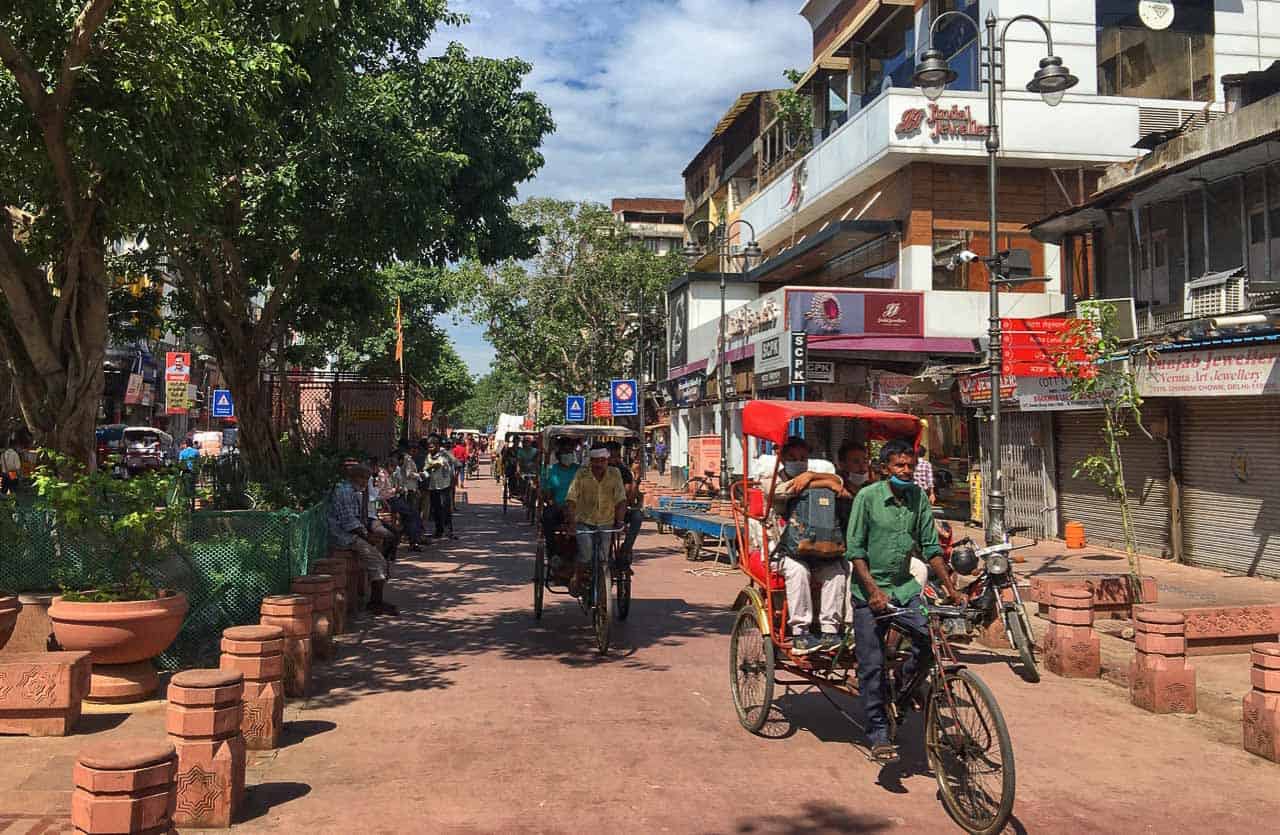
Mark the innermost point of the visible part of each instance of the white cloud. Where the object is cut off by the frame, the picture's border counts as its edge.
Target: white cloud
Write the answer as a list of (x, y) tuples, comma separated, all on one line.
[(635, 86)]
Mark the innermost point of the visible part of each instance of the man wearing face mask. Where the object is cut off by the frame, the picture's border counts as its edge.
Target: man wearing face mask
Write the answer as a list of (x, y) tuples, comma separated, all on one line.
[(556, 480), (891, 522), (800, 572)]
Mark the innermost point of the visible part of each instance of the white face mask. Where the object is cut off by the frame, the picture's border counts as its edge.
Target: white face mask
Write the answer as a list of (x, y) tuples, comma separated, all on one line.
[(856, 479), (567, 459), (795, 468)]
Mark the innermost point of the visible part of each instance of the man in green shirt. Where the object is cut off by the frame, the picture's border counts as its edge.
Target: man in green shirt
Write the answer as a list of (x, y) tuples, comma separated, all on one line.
[(891, 521)]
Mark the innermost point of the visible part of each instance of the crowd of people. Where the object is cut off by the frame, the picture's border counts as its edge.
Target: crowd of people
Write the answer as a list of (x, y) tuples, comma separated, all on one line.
[(383, 500)]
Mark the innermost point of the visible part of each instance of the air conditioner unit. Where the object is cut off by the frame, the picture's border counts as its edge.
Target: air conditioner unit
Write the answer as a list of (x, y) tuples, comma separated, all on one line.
[(1215, 294)]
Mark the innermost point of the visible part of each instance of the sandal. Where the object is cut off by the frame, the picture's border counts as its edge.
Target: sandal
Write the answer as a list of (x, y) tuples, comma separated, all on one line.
[(884, 754)]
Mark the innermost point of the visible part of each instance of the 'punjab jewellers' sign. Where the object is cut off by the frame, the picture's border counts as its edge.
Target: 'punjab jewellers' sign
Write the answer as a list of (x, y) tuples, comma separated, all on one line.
[(1223, 372), (941, 121)]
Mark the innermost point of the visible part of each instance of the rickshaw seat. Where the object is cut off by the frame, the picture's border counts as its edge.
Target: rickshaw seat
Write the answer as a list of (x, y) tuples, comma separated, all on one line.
[(755, 503), (757, 569)]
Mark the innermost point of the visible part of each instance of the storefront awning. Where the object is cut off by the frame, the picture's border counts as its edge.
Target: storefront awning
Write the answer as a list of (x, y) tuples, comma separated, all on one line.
[(816, 250), (902, 344)]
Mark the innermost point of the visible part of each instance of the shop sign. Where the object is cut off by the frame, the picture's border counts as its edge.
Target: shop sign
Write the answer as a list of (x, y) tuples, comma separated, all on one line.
[(761, 316), (689, 389), (678, 328), (886, 387), (133, 390), (940, 120), (820, 371), (851, 312), (1049, 394), (771, 380), (1221, 372), (975, 389), (799, 358), (769, 355)]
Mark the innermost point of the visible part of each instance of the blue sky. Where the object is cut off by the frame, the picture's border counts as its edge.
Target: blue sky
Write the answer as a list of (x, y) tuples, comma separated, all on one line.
[(634, 86)]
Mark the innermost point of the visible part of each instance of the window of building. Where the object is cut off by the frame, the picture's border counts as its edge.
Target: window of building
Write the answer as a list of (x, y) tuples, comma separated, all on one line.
[(950, 273), (889, 57), (837, 106), (872, 264), (958, 42), (1226, 241), (1172, 63)]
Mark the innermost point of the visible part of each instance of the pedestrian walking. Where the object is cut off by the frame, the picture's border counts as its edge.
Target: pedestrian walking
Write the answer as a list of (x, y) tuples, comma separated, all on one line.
[(660, 455), (460, 454), (924, 475), (10, 467), (441, 471)]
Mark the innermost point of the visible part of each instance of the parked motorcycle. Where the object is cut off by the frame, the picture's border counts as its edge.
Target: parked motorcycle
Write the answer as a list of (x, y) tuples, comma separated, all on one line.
[(994, 594)]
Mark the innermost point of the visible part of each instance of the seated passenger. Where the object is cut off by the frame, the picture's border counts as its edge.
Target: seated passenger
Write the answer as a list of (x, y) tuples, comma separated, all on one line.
[(635, 516), (806, 560), (556, 481)]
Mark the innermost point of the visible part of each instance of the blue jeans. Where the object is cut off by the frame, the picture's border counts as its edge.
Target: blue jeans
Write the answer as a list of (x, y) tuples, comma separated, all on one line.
[(868, 635), (590, 536), (635, 518)]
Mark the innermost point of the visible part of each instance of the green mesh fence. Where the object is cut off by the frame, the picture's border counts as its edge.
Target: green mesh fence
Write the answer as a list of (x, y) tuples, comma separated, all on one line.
[(233, 559)]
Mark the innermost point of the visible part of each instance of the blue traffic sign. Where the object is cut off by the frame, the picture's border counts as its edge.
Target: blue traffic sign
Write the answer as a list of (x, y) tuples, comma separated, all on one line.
[(624, 398), (222, 404), (575, 409)]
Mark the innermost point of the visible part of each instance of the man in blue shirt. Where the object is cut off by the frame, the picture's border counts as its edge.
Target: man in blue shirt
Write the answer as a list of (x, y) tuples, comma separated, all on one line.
[(190, 452), (555, 487), (348, 529)]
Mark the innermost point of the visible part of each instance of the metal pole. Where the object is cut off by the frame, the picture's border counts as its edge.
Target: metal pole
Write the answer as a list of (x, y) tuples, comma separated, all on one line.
[(723, 372), (995, 505), (644, 462)]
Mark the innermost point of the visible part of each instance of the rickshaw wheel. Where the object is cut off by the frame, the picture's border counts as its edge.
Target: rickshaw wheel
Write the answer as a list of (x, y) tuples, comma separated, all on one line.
[(750, 670), (539, 578), (602, 609), (969, 750)]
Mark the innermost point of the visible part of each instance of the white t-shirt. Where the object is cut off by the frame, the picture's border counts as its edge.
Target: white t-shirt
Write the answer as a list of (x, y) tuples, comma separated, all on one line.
[(11, 461)]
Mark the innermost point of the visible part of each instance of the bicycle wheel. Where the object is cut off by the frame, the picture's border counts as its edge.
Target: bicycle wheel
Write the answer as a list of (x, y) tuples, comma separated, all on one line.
[(505, 496), (539, 579), (1023, 642), (968, 746), (750, 670), (602, 608)]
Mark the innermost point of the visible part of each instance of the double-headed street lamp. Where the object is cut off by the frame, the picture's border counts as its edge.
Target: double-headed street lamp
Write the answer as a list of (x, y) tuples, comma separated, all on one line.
[(1051, 81), (719, 237)]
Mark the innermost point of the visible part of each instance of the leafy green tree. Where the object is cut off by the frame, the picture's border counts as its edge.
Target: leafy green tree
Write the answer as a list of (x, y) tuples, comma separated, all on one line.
[(370, 153), (501, 390), (1093, 361), (108, 109), (566, 319)]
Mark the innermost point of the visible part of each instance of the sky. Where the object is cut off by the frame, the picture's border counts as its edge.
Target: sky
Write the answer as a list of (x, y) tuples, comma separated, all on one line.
[(635, 87)]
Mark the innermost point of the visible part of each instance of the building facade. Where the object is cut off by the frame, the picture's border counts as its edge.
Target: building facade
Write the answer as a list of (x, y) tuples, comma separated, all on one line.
[(654, 222)]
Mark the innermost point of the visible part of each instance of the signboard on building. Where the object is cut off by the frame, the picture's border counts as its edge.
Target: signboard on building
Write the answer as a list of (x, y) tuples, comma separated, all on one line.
[(855, 312), (1032, 347), (177, 376), (939, 121), (678, 328), (975, 389), (575, 409), (689, 389), (886, 386), (133, 390), (820, 371), (1216, 372), (1049, 394), (799, 358)]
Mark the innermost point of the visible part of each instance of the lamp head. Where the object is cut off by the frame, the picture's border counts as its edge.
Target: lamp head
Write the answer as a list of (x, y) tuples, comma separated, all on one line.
[(1052, 80), (932, 74), (752, 253), (692, 252)]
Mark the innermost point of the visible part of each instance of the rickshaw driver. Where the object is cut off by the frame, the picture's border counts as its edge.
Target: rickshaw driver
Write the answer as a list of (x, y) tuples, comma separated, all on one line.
[(831, 574), (891, 521), (596, 501), (556, 480)]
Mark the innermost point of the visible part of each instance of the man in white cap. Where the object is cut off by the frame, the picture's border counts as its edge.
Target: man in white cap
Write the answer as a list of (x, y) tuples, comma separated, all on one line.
[(596, 502)]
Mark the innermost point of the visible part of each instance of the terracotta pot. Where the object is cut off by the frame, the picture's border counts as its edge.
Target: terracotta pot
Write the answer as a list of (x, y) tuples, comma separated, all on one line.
[(119, 633), (9, 608)]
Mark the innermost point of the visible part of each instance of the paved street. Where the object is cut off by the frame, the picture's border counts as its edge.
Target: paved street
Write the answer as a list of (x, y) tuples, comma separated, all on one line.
[(464, 715)]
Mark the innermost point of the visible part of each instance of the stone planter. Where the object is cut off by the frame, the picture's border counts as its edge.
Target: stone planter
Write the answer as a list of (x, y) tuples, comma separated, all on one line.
[(1112, 593), (33, 632), (122, 638), (9, 609)]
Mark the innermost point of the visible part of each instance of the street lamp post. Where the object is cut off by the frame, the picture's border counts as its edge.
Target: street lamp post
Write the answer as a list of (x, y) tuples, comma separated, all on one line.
[(719, 237), (644, 461), (1051, 81)]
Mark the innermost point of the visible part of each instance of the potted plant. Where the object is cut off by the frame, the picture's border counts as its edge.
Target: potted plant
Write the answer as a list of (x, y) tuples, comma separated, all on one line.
[(115, 541)]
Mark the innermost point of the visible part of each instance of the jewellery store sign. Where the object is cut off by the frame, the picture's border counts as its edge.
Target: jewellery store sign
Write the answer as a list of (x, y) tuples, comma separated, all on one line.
[(1222, 372)]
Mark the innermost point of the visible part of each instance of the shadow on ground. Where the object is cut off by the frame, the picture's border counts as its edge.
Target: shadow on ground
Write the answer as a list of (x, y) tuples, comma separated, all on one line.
[(814, 818)]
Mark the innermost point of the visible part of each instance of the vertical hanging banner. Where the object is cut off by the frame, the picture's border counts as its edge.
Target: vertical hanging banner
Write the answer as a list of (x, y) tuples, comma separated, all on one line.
[(177, 376)]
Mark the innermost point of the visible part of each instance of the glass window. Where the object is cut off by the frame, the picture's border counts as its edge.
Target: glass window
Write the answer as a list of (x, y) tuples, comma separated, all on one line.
[(872, 264), (890, 55), (1273, 217), (1226, 244), (958, 42), (1169, 263), (1195, 233), (837, 102), (1172, 63)]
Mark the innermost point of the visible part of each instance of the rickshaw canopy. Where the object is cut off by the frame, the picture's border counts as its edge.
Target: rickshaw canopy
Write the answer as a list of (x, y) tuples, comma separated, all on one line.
[(769, 419), (579, 431)]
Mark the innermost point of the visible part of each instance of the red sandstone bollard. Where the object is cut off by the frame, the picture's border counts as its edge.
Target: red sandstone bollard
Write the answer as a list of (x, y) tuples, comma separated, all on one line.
[(124, 787), (1071, 647), (336, 569), (257, 653), (357, 583), (292, 613), (319, 588), (1160, 679), (203, 721), (1262, 704)]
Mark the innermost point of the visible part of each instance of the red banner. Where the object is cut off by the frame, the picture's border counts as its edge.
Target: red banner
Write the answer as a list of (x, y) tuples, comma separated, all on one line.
[(601, 408), (1032, 346)]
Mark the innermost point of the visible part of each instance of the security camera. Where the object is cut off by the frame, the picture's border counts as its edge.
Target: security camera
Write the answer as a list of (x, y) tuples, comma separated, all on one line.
[(964, 256)]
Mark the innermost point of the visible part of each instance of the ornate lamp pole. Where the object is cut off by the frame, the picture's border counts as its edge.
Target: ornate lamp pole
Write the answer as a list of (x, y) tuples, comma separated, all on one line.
[(1051, 81), (718, 236)]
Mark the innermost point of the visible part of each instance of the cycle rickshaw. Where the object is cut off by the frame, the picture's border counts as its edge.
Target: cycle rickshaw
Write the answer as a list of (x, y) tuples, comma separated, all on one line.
[(603, 591), (967, 744), (517, 485)]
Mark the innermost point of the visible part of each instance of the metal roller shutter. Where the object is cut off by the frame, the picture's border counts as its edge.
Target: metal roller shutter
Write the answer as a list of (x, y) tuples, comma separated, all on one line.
[(1023, 461), (1146, 475), (1231, 471)]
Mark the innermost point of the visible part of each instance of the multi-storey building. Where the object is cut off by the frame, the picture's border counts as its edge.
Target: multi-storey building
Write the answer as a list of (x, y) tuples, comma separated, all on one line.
[(861, 223), (655, 222)]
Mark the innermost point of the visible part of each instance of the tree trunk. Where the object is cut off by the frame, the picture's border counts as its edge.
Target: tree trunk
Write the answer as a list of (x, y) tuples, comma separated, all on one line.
[(258, 437)]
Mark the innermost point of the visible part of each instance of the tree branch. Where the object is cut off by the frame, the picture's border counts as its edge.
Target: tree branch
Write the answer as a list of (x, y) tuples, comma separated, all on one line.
[(30, 84), (87, 23)]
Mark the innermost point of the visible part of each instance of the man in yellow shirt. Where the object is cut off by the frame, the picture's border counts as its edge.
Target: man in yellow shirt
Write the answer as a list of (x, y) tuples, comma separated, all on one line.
[(596, 502)]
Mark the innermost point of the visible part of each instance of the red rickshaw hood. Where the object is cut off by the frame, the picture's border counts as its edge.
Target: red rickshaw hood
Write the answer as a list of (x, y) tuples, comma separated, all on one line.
[(769, 419)]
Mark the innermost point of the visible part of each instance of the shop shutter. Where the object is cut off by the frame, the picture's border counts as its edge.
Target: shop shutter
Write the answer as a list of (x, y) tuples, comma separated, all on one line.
[(1231, 478), (1023, 462), (1146, 474)]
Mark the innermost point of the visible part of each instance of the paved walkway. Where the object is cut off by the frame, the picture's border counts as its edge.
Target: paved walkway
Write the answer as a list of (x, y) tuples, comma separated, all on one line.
[(465, 715)]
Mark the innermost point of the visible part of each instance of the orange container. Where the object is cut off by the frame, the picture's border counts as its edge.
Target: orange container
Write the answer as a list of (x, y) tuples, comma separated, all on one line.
[(1073, 533)]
